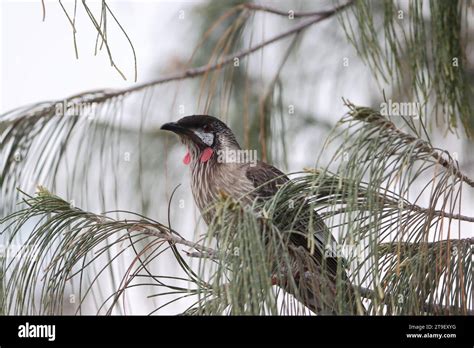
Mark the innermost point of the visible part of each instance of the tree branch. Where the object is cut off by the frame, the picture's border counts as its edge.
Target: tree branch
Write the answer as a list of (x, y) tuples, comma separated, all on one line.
[(411, 207), (262, 8), (371, 116), (103, 95), (206, 252), (193, 72), (201, 254), (427, 307), (441, 213), (153, 230), (371, 294)]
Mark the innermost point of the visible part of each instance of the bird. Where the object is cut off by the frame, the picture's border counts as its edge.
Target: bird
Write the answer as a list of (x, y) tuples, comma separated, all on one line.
[(206, 138)]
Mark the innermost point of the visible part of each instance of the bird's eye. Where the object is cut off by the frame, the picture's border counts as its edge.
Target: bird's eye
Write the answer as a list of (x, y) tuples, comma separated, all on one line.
[(206, 128)]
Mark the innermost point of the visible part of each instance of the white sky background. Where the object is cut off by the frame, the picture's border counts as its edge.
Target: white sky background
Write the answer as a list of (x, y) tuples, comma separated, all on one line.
[(37, 63), (38, 59)]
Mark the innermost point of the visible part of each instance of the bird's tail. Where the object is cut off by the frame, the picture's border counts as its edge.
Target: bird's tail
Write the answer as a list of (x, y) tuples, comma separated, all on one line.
[(322, 291)]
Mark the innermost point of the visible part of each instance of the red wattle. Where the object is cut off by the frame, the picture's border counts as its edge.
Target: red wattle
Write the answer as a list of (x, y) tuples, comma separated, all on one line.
[(206, 154), (187, 158)]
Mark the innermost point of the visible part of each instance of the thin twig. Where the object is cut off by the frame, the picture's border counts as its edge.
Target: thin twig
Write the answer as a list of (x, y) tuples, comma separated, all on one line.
[(454, 169), (201, 255), (170, 237), (411, 207), (370, 116), (193, 72), (441, 213), (294, 14), (104, 95), (43, 9)]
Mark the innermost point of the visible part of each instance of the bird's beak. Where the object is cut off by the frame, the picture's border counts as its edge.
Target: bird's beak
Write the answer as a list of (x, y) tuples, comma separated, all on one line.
[(181, 131), (175, 128)]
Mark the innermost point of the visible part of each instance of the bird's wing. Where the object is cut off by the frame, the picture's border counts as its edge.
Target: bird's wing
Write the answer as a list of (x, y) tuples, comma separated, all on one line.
[(266, 179)]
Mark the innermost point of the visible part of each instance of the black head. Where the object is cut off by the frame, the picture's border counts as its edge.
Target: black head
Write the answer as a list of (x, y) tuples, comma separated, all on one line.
[(203, 131)]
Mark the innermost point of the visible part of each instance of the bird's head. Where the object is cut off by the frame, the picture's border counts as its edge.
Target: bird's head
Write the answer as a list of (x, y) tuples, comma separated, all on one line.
[(203, 135)]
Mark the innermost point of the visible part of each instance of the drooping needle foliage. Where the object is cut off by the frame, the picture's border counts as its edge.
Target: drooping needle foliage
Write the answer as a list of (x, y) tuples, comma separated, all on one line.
[(391, 200), (396, 253)]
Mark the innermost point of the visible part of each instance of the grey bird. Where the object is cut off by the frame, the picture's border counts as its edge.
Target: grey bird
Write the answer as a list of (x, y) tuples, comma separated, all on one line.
[(205, 137)]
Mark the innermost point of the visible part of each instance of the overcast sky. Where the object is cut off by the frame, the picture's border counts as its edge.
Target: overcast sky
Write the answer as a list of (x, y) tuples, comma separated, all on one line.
[(38, 59)]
